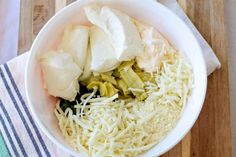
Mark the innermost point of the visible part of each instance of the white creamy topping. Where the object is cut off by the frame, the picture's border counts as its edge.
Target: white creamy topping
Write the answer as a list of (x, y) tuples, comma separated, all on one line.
[(87, 67), (75, 42), (120, 28), (103, 55), (60, 74), (154, 45)]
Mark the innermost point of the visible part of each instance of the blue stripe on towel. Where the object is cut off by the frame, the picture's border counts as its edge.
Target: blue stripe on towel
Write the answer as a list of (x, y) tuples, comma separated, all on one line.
[(27, 110), (20, 113), (13, 128), (8, 135)]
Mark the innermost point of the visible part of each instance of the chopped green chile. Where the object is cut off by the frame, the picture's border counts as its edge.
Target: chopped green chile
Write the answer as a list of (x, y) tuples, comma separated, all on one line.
[(91, 79), (105, 88), (123, 87), (116, 73), (137, 69), (127, 80), (146, 77), (132, 80), (111, 90), (99, 85), (109, 78), (125, 65), (141, 96)]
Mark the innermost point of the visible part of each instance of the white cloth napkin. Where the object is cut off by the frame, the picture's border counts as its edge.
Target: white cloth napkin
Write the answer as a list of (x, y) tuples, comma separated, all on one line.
[(211, 60), (9, 26)]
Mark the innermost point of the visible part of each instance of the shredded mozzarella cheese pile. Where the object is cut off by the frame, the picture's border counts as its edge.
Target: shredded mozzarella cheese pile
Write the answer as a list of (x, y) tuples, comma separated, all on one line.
[(120, 128)]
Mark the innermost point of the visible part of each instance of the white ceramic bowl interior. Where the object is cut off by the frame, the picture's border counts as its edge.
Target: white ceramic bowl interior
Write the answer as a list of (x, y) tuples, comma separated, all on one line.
[(149, 12)]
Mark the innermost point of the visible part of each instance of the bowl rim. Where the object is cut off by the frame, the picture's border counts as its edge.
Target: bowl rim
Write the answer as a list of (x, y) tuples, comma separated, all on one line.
[(70, 150)]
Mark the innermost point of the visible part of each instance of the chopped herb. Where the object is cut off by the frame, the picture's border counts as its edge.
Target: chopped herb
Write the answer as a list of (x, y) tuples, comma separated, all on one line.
[(64, 104)]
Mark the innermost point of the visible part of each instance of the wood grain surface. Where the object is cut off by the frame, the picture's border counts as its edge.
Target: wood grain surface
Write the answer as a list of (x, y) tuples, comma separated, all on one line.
[(211, 134)]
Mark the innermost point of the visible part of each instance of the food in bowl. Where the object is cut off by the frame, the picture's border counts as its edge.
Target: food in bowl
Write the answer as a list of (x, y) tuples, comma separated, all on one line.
[(121, 86)]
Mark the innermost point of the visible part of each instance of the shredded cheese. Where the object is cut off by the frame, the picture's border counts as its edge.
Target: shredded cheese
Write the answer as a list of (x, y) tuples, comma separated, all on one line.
[(136, 90), (129, 128)]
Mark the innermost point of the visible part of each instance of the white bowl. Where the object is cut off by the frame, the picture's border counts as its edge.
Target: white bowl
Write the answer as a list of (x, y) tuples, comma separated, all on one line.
[(149, 12)]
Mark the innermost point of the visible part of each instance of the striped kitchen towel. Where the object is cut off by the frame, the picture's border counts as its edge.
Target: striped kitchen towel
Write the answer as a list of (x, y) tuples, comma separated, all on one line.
[(19, 134)]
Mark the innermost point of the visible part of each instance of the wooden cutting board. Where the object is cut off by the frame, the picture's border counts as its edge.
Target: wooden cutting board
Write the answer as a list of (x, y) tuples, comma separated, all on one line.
[(211, 134)]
